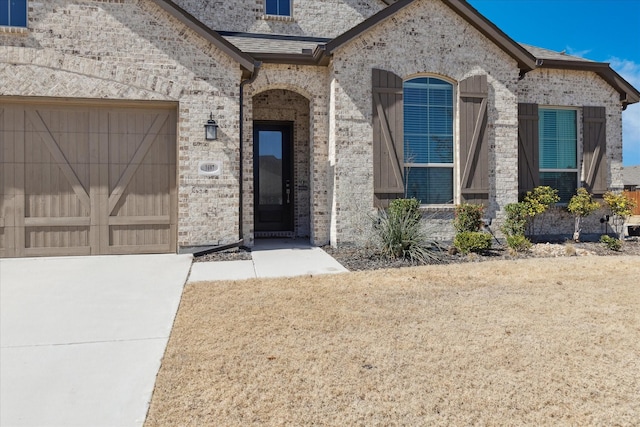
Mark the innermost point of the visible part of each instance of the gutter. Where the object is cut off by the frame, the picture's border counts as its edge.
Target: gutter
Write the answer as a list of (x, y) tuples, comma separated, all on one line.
[(254, 76)]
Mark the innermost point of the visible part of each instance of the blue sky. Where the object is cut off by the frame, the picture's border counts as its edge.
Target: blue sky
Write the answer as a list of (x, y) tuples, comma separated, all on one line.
[(600, 30)]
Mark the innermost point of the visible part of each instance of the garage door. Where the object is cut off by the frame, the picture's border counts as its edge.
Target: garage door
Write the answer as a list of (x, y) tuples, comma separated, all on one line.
[(83, 179)]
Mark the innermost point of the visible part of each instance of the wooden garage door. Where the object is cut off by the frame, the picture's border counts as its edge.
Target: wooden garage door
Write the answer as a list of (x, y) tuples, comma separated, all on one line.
[(83, 179)]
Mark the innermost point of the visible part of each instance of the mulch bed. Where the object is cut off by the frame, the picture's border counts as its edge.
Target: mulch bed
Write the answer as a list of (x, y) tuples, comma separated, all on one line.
[(359, 259)]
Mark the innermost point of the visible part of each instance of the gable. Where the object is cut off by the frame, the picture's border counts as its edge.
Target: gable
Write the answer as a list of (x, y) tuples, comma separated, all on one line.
[(309, 18), (525, 60)]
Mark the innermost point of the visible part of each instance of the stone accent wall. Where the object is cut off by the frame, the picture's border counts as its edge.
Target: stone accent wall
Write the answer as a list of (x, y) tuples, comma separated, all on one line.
[(311, 83), (317, 18), (284, 105), (426, 38), (133, 50)]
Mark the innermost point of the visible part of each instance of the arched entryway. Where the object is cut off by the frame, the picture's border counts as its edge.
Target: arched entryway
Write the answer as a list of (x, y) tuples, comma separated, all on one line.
[(281, 123)]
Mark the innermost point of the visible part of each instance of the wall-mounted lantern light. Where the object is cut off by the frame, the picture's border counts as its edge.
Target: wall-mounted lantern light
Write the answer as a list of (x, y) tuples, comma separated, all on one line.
[(211, 129)]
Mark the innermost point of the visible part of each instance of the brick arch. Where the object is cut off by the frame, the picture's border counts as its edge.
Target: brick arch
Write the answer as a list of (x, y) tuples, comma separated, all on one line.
[(285, 105), (440, 76), (284, 86)]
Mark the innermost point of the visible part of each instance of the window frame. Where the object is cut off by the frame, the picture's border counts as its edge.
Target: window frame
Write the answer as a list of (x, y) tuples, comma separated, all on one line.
[(576, 171), (26, 16), (454, 134), (290, 15)]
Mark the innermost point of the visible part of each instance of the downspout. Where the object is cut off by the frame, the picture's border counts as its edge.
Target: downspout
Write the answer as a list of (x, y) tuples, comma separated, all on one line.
[(257, 65)]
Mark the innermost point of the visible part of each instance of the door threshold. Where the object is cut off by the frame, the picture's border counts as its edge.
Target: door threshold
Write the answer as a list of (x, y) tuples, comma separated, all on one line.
[(267, 234)]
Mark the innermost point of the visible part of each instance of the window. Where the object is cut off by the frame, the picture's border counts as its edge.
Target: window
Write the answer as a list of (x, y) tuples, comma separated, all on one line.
[(558, 151), (278, 7), (428, 140), (13, 13)]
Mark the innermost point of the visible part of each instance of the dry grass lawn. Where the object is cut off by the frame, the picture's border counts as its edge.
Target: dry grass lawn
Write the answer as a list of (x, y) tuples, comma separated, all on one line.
[(536, 342)]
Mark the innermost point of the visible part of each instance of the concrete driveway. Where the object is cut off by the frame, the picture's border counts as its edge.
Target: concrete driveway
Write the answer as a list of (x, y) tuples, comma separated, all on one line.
[(82, 338)]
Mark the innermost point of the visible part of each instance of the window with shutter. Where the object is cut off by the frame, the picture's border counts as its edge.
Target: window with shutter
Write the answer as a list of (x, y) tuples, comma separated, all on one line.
[(558, 151), (428, 140)]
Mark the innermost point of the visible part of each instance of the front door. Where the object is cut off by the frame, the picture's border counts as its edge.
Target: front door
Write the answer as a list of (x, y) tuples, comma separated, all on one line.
[(272, 171)]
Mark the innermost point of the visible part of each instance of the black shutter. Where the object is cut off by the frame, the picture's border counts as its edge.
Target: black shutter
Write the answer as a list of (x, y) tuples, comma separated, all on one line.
[(474, 146), (594, 125), (388, 143), (528, 148)]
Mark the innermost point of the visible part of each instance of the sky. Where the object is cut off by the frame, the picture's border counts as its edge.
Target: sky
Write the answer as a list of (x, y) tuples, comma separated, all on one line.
[(599, 30)]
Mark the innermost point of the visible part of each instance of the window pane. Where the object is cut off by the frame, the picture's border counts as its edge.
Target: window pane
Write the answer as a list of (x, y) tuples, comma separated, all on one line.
[(415, 150), (285, 8), (13, 13), (4, 12), (565, 182), (428, 138), (271, 7), (440, 149), (558, 141), (430, 185), (270, 164)]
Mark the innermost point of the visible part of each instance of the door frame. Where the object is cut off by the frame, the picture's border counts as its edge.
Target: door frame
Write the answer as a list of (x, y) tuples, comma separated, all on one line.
[(288, 172)]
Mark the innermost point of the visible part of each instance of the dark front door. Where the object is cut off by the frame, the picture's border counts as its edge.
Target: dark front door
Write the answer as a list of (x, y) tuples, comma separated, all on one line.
[(272, 171)]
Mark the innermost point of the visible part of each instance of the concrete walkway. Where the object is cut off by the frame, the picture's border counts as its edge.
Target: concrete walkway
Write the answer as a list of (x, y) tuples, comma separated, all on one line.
[(82, 338), (270, 258)]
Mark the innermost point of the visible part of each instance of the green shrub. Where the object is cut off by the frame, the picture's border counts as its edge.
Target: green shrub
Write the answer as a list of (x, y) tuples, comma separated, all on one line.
[(518, 243), (537, 201), (401, 235), (611, 243), (581, 205), (472, 241), (515, 222), (405, 207), (621, 207), (468, 217)]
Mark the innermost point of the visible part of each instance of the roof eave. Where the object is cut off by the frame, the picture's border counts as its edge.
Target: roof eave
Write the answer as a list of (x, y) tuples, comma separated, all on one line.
[(245, 60), (285, 58), (628, 93)]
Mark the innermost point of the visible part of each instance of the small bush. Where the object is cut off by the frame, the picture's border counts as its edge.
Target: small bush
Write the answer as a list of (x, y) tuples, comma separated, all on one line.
[(570, 250), (540, 198), (581, 205), (405, 207), (537, 202), (611, 243), (472, 241), (468, 217), (515, 222), (621, 207), (401, 235), (518, 243)]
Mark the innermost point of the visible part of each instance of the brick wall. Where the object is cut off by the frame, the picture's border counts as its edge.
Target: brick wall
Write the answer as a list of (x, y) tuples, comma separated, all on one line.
[(317, 18), (425, 38), (133, 50)]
